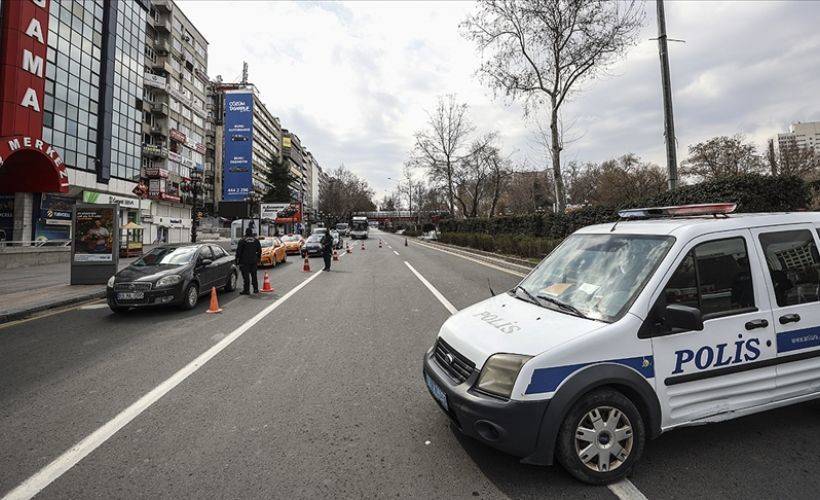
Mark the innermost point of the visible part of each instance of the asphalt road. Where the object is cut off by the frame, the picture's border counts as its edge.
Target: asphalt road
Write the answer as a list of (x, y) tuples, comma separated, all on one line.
[(320, 396)]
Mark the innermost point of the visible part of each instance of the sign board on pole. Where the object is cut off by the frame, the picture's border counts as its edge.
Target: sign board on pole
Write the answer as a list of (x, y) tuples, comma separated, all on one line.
[(237, 174), (95, 246)]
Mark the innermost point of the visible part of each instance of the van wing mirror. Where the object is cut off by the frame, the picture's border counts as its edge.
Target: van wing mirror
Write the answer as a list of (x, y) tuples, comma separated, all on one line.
[(684, 318)]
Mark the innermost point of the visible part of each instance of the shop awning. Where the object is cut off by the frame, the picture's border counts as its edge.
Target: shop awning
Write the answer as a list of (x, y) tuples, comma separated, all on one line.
[(29, 165), (132, 225)]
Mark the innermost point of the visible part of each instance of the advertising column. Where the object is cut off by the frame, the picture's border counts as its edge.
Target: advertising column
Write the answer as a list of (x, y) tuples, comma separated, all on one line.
[(237, 169), (95, 247)]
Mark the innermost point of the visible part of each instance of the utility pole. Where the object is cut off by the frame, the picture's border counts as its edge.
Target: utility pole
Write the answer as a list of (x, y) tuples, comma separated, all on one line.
[(668, 119)]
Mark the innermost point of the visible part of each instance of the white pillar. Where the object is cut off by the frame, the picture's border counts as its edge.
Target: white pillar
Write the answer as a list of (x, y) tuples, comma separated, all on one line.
[(23, 206)]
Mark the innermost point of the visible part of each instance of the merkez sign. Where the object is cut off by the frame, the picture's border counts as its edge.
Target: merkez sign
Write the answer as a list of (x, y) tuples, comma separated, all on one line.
[(237, 169)]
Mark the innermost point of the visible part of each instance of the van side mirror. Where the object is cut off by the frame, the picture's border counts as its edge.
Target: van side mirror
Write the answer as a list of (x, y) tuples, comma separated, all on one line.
[(684, 318)]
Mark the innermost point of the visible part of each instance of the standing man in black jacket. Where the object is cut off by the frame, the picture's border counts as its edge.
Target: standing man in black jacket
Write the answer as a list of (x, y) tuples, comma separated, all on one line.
[(327, 249), (248, 253)]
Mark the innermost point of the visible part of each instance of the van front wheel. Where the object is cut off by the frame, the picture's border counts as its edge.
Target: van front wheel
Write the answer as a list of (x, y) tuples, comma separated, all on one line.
[(602, 437)]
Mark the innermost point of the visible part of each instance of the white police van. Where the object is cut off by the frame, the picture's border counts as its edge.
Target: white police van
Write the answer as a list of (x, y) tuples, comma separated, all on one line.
[(680, 316)]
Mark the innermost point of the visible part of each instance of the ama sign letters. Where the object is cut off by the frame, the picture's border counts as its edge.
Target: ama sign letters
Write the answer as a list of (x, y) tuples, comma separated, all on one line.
[(237, 169)]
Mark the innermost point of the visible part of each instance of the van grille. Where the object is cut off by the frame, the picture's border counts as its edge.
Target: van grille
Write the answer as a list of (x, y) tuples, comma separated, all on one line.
[(460, 368)]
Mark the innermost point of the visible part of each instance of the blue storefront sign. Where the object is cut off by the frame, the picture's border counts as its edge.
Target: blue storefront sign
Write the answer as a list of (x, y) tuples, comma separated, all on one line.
[(237, 169)]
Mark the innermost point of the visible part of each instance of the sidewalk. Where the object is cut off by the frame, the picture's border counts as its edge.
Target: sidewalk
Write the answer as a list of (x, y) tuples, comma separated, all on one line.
[(29, 290)]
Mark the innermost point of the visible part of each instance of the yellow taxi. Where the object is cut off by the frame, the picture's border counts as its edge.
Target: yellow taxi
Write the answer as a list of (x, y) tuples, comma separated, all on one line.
[(273, 251), (293, 243)]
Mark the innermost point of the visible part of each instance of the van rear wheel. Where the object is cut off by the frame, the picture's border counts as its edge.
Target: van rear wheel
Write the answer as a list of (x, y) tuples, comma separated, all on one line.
[(602, 437)]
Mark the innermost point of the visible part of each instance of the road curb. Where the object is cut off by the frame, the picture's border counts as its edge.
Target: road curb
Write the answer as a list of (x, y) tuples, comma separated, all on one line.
[(14, 315)]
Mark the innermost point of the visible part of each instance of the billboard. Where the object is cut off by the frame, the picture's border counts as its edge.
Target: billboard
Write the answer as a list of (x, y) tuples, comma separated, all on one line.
[(95, 233), (237, 170)]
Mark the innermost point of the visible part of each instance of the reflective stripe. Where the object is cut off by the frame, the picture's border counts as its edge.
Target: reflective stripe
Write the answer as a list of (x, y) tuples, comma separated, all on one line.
[(548, 379)]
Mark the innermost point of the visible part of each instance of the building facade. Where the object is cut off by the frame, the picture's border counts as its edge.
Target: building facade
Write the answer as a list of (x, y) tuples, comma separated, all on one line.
[(294, 156), (174, 123), (71, 112), (801, 135)]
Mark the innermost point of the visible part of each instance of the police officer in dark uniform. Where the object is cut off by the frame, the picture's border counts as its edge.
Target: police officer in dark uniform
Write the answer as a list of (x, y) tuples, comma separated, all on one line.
[(248, 253), (327, 249)]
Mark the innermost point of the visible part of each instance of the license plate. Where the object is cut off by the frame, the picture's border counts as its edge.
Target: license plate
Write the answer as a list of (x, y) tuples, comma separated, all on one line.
[(130, 295), (436, 391)]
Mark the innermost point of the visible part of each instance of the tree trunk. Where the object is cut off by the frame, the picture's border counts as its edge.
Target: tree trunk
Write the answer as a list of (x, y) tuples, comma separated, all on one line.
[(556, 159)]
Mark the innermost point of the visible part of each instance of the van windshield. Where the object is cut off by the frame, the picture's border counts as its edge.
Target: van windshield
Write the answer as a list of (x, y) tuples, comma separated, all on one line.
[(596, 275)]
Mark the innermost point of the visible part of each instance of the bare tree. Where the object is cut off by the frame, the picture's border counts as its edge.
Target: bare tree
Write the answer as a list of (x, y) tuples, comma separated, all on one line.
[(539, 50), (614, 181), (438, 148), (345, 193), (803, 162), (722, 156)]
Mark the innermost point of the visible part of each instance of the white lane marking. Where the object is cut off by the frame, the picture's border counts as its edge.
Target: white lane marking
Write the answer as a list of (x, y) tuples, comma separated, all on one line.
[(45, 476), (486, 264), (93, 306), (446, 303), (625, 490), (395, 252)]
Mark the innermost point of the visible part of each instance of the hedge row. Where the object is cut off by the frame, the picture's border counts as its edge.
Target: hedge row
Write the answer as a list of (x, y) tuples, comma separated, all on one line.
[(509, 244), (751, 192)]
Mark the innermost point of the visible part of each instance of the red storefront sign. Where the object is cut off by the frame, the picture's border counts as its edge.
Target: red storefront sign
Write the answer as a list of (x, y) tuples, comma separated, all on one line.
[(27, 164)]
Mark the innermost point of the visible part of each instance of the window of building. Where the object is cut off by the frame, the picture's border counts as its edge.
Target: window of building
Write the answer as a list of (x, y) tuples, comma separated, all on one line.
[(715, 277), (793, 263)]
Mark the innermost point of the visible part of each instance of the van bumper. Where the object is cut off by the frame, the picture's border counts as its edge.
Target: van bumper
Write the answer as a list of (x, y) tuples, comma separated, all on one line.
[(506, 425)]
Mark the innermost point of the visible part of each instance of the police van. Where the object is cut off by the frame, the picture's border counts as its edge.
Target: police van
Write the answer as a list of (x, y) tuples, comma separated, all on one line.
[(670, 317)]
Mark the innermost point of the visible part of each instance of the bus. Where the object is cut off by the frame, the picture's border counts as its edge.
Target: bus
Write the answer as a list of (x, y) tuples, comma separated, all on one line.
[(359, 229)]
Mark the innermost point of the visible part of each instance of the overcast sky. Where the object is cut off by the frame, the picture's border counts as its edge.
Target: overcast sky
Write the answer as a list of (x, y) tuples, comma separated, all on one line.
[(354, 79)]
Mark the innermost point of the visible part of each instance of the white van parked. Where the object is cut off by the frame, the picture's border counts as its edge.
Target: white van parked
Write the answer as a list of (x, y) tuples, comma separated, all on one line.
[(674, 316)]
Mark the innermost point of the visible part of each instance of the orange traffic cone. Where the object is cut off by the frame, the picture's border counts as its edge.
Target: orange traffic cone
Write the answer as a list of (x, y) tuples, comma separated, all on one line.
[(266, 284), (349, 250), (214, 303), (405, 241), (306, 266), (380, 243), (362, 245), (335, 255)]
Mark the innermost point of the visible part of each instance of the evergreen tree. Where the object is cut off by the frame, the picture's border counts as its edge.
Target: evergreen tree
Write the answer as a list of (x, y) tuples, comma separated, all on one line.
[(280, 178)]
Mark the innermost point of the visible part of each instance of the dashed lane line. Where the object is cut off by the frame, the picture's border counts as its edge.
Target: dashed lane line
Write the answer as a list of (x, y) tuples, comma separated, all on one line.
[(623, 489), (48, 474), (395, 252)]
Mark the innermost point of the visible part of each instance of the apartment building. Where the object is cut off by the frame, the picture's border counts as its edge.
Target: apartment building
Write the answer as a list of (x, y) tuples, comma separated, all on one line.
[(294, 155), (800, 135), (75, 135), (175, 121)]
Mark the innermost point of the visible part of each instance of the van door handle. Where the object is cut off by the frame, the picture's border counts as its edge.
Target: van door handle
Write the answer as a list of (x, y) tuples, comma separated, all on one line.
[(789, 318), (757, 323)]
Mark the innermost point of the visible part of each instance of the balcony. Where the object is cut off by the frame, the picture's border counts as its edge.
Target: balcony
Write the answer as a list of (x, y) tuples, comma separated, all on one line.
[(159, 130), (162, 47), (159, 108), (154, 151), (162, 64), (162, 24), (164, 5)]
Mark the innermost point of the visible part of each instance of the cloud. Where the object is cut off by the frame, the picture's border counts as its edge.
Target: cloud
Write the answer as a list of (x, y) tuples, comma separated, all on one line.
[(353, 79)]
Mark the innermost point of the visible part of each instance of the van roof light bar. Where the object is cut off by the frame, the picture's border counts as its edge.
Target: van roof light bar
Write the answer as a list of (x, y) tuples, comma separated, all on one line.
[(678, 211)]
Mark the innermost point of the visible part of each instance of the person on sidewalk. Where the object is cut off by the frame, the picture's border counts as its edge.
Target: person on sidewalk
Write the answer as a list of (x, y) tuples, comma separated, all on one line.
[(327, 249), (248, 253)]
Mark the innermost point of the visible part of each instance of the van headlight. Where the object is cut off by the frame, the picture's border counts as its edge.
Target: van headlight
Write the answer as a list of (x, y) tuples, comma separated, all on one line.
[(111, 282), (499, 374), (169, 281)]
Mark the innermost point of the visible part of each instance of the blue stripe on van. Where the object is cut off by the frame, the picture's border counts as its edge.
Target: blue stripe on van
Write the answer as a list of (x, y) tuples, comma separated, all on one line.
[(548, 379), (798, 339)]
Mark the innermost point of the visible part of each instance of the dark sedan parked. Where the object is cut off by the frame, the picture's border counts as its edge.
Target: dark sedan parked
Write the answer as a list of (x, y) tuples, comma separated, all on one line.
[(313, 246), (171, 274)]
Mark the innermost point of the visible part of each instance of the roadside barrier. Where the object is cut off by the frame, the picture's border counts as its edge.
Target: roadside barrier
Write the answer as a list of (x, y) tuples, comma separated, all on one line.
[(214, 308), (266, 284)]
